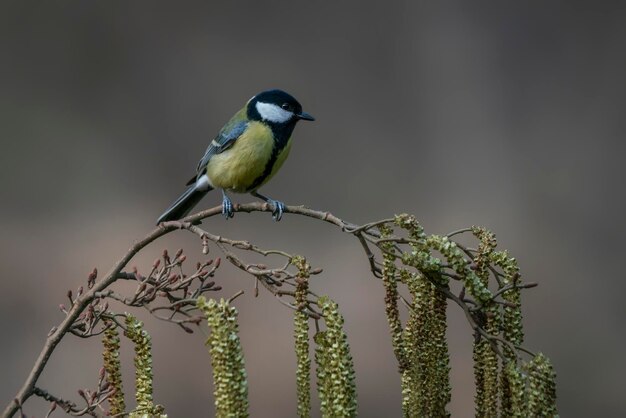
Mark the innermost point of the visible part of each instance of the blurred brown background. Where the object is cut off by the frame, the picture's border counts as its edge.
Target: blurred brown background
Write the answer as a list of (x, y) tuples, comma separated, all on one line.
[(508, 116)]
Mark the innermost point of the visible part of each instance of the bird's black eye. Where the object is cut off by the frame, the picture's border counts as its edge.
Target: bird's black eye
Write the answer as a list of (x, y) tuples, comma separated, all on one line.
[(286, 106)]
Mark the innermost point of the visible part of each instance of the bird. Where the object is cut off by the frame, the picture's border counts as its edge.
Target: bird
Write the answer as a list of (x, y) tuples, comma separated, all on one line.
[(246, 153)]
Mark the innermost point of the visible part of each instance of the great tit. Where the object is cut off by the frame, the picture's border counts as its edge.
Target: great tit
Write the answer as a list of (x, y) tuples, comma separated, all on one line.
[(246, 153)]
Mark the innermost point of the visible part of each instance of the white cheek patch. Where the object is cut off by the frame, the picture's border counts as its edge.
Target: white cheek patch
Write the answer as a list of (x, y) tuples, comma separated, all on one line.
[(273, 113)]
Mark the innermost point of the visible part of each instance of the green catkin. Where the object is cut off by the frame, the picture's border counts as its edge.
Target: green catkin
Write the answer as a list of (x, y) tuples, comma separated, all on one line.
[(335, 369), (143, 369), (391, 299), (541, 388), (414, 401), (411, 400), (512, 316), (486, 374), (112, 366), (440, 387), (425, 384), (323, 373), (515, 391), (485, 248), (301, 334), (229, 374), (511, 323), (486, 360)]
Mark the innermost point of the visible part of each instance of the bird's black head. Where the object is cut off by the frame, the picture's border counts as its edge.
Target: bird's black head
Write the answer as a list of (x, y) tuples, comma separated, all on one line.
[(276, 107)]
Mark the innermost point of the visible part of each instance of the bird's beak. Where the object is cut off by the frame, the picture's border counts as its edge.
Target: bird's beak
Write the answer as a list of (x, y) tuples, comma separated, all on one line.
[(305, 116)]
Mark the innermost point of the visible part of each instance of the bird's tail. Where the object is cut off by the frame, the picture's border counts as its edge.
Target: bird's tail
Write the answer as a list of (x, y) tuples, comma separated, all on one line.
[(183, 205)]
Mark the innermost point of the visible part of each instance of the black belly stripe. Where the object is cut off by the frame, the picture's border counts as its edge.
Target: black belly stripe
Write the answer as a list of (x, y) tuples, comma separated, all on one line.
[(281, 134), (267, 170)]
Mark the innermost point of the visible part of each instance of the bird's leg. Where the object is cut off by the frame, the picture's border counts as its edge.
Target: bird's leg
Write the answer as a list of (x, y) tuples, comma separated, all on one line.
[(227, 206), (279, 207)]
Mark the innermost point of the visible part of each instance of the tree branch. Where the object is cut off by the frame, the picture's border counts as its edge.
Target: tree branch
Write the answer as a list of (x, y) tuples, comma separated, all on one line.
[(271, 279), (81, 302)]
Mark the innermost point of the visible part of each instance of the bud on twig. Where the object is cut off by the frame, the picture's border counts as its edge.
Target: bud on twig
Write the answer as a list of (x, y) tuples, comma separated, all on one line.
[(53, 406), (186, 328), (91, 280)]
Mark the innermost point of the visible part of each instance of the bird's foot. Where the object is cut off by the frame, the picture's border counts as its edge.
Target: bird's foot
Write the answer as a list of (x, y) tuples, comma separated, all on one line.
[(279, 208), (227, 207)]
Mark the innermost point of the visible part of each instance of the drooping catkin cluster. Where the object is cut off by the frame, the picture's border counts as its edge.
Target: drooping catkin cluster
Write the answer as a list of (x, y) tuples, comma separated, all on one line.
[(502, 387), (143, 368), (486, 376), (426, 268), (112, 366), (301, 335), (425, 383), (421, 347), (531, 388), (335, 370), (229, 373)]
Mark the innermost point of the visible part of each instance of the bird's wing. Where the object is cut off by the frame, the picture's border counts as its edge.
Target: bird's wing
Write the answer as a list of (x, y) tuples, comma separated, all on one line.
[(224, 140)]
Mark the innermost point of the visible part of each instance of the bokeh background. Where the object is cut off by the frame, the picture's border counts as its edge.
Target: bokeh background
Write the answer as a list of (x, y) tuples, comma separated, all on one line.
[(508, 115)]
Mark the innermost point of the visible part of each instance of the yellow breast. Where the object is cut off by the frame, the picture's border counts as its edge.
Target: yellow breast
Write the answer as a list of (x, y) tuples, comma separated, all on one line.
[(240, 166)]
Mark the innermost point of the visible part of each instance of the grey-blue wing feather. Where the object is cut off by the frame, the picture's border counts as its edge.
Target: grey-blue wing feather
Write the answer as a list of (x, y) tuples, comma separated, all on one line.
[(224, 140)]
